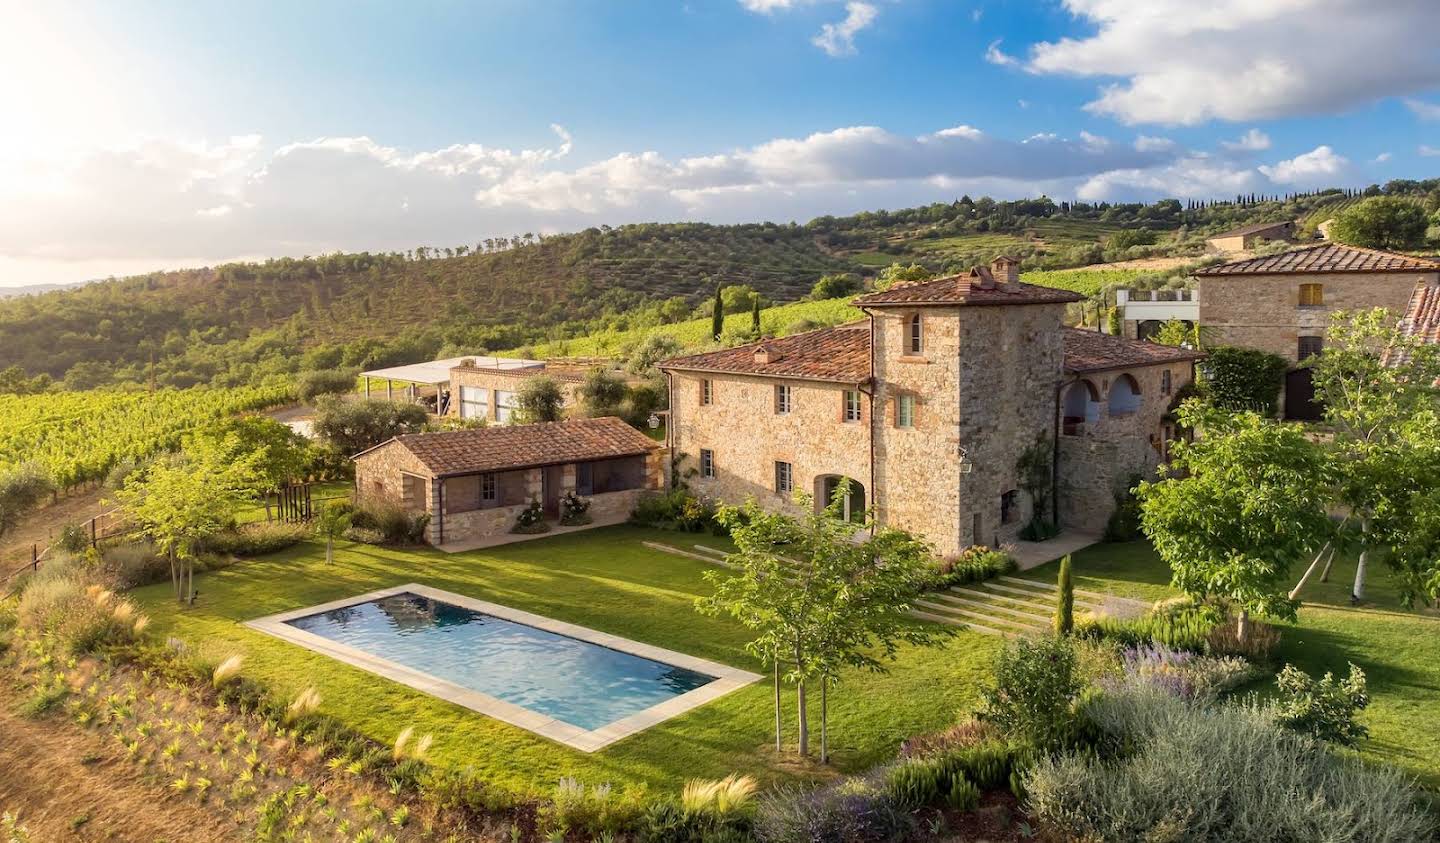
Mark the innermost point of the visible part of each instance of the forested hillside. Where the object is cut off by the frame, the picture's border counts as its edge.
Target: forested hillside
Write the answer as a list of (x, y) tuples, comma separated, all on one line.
[(239, 323)]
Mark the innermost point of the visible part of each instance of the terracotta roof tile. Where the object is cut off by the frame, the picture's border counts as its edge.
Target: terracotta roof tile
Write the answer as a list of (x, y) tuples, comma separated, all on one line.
[(1089, 351), (966, 289), (1422, 319), (840, 354), (510, 447), (1325, 257)]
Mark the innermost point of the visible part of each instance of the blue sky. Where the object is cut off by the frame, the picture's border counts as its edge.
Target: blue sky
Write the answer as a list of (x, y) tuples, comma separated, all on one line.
[(148, 134)]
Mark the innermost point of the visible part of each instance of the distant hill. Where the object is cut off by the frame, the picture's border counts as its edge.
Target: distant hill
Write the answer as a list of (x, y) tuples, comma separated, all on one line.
[(236, 323), (33, 289)]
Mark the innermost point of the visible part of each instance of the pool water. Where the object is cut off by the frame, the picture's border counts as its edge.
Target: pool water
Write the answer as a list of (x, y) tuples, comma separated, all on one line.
[(574, 681)]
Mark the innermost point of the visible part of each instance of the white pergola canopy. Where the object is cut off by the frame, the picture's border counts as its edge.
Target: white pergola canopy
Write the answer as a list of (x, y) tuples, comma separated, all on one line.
[(437, 372)]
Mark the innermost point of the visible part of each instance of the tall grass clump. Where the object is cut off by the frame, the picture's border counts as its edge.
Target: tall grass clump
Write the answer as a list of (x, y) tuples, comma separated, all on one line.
[(718, 796), (227, 670), (1174, 770)]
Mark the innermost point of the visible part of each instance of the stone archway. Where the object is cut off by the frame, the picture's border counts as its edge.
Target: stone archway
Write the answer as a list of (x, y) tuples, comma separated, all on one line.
[(852, 508)]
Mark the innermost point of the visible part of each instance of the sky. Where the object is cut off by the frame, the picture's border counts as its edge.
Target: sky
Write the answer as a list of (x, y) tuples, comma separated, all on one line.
[(138, 135)]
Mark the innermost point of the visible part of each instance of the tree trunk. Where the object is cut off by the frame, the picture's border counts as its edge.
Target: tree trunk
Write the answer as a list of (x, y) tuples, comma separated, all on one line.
[(1295, 592), (177, 580), (778, 746), (329, 550), (190, 588), (803, 732), (825, 720), (1357, 592), (1325, 574), (1242, 624)]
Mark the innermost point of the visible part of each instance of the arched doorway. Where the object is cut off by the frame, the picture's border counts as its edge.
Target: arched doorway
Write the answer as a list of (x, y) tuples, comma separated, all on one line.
[(852, 507), (1124, 396), (1080, 405)]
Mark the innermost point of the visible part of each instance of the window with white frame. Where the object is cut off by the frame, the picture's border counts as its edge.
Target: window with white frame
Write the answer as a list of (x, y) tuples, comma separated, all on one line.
[(474, 402), (784, 398), (707, 462), (852, 405), (905, 410), (784, 477), (504, 406), (488, 488), (915, 340)]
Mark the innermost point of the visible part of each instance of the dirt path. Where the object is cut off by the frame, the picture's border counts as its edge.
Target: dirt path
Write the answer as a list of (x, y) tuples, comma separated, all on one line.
[(41, 526), (67, 785)]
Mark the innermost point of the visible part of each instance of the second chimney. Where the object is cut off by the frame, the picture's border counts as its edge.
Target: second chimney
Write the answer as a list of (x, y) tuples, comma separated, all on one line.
[(1006, 271)]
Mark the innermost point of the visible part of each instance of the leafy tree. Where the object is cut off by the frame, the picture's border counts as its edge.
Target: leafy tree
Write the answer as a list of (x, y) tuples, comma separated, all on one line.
[(312, 385), (539, 399), (1125, 239), (1323, 708), (897, 273), (1176, 333), (21, 490), (279, 455), (181, 501), (1377, 386), (1243, 379), (835, 286), (352, 426), (1247, 500), (1381, 222), (602, 393), (1036, 684), (818, 599), (331, 524), (738, 298), (651, 350), (674, 309)]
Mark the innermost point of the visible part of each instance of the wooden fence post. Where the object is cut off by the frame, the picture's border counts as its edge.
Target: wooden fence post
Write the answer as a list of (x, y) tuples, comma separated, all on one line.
[(93, 538), (34, 558)]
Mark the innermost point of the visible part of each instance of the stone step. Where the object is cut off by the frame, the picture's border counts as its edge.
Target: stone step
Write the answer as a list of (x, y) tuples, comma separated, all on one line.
[(955, 622), (992, 620), (1097, 595), (992, 596), (992, 607), (1083, 602)]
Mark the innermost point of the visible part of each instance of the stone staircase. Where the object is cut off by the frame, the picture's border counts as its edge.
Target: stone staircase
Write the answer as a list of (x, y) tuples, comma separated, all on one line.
[(1009, 606)]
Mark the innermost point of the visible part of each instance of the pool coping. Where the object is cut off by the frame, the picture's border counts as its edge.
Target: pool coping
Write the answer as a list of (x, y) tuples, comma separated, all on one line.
[(727, 678)]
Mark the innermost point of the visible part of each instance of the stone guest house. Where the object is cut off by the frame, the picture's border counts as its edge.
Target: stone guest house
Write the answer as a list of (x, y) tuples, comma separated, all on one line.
[(927, 405)]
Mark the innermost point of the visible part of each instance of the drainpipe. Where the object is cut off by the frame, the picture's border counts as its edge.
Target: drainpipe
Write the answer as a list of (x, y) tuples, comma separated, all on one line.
[(669, 430), (874, 490)]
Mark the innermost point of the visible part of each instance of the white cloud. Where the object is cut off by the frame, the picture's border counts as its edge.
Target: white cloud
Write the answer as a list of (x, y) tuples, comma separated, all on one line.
[(766, 7), (1319, 166), (1252, 141), (1146, 143), (1422, 109), (1429, 151), (1382, 158), (1180, 63), (1192, 176), (838, 39), (995, 55)]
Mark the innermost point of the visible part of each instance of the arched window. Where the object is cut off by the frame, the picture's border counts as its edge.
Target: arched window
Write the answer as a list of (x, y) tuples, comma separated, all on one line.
[(915, 338), (1080, 404), (852, 506), (1124, 396)]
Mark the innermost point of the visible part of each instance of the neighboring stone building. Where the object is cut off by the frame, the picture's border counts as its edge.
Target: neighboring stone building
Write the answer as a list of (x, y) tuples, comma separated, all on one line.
[(479, 389), (1283, 303), (927, 406), (474, 483), (1249, 236)]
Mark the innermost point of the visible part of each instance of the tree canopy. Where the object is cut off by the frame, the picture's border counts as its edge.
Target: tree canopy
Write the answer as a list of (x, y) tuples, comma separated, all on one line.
[(1382, 222)]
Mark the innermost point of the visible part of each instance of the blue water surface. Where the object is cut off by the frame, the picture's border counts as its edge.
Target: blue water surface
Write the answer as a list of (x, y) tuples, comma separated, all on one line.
[(574, 681)]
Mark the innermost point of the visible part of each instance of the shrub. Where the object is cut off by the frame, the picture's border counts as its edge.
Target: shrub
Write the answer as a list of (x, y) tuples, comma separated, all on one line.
[(1034, 691), (593, 810), (73, 539), (1241, 379), (1065, 602), (134, 564), (312, 385), (856, 810), (1181, 673), (531, 519), (1188, 629), (677, 509), (1039, 530), (972, 565), (1258, 645), (1323, 708), (1197, 773), (574, 510), (963, 734), (365, 535), (394, 523), (257, 539), (1123, 525)]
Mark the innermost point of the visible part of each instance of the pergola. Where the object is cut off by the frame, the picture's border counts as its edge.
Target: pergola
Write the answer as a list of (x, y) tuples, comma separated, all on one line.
[(436, 375)]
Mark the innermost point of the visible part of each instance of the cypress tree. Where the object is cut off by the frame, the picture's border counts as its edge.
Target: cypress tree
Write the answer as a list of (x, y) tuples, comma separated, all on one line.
[(1065, 603), (755, 315), (717, 316)]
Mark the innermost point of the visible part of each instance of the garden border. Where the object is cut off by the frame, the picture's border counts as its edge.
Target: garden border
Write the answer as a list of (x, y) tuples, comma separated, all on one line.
[(727, 678)]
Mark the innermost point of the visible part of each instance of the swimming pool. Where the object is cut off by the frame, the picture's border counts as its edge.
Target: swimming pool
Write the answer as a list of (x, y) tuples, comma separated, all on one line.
[(581, 687)]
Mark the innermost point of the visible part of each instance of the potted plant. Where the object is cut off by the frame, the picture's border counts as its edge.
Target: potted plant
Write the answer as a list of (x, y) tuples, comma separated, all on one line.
[(574, 510), (531, 519)]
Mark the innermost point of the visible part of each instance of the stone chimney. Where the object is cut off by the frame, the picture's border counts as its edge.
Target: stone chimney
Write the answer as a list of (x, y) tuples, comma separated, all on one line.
[(981, 278), (1007, 272), (766, 354)]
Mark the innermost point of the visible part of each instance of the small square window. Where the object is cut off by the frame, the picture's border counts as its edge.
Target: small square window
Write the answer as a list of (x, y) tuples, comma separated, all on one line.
[(905, 411), (1311, 346), (707, 391), (784, 478), (1312, 295), (707, 462), (852, 405), (784, 398)]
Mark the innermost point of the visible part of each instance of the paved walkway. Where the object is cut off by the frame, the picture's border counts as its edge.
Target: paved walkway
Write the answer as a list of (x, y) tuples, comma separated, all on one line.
[(1034, 554)]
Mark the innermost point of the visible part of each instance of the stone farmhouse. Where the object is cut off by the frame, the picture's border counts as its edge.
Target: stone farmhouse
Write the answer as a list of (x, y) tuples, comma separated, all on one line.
[(476, 386), (927, 405), (1249, 236)]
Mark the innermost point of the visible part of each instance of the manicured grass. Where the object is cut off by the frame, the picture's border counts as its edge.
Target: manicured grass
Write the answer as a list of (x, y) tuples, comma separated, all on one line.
[(603, 579), (1399, 650)]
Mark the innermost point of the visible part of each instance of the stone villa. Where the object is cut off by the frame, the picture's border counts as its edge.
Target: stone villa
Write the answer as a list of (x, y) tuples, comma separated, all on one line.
[(926, 405)]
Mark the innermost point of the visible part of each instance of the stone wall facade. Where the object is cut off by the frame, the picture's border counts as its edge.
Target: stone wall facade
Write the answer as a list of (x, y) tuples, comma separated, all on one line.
[(1105, 454), (1264, 311), (747, 436), (493, 380)]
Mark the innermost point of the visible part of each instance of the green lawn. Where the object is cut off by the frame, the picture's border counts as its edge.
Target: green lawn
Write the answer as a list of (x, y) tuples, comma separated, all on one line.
[(604, 579), (1399, 650)]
